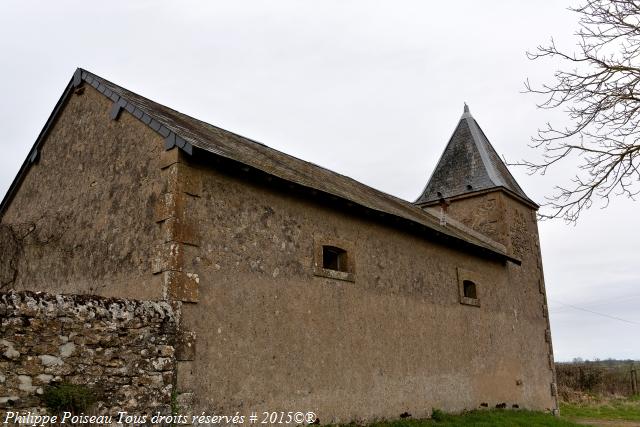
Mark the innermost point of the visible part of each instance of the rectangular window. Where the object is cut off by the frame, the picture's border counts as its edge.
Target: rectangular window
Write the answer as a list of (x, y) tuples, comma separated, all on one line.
[(468, 287), (333, 258)]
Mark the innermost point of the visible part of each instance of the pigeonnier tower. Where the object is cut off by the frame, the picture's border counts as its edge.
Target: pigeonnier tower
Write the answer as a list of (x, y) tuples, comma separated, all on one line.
[(472, 185)]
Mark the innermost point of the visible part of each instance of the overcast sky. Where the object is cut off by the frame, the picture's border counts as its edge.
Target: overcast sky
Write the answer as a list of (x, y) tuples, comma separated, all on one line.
[(369, 89)]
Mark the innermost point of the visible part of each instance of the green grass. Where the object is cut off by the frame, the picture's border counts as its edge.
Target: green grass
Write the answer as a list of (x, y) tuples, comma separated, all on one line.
[(74, 398), (486, 418), (611, 409)]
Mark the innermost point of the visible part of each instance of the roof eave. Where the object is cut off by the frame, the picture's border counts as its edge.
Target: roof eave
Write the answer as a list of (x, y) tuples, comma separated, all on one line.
[(174, 139), (526, 201), (452, 240)]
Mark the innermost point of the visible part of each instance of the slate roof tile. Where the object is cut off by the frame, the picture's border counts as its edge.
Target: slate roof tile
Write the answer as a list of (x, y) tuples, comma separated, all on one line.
[(469, 164)]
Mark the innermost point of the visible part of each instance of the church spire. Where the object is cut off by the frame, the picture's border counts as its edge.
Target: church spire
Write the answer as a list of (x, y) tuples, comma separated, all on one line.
[(469, 164)]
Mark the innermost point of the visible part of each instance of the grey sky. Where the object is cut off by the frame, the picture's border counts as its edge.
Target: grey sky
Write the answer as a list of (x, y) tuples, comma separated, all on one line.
[(367, 88)]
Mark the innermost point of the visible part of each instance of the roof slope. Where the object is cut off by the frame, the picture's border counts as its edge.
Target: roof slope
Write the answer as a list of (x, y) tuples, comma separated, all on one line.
[(187, 132), (469, 164)]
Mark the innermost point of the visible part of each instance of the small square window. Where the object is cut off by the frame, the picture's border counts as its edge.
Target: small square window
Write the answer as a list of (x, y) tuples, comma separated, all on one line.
[(468, 287), (334, 258)]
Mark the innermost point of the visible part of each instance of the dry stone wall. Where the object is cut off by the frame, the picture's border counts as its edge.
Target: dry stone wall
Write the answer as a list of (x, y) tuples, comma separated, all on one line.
[(123, 351)]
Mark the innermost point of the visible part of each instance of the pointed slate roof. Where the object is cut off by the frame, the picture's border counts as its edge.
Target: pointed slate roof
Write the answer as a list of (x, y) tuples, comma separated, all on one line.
[(469, 164), (194, 137)]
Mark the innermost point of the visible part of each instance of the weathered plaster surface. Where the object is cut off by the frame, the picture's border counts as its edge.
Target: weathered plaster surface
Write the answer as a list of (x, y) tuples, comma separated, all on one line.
[(84, 213), (514, 224), (272, 335)]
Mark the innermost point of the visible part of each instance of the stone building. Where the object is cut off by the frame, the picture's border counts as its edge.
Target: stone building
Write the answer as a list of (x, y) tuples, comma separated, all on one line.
[(295, 288)]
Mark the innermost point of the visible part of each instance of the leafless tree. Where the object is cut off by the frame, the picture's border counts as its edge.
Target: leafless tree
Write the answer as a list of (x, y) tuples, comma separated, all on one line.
[(599, 91)]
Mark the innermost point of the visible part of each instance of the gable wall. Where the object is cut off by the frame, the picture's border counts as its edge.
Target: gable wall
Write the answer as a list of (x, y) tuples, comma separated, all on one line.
[(273, 336), (83, 216)]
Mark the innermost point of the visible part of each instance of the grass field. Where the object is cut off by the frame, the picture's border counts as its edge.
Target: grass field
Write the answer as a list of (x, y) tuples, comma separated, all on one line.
[(486, 418), (609, 409)]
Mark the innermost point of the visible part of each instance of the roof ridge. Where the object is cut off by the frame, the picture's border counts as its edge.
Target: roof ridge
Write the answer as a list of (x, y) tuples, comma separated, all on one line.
[(449, 142), (493, 150), (482, 149), (252, 140)]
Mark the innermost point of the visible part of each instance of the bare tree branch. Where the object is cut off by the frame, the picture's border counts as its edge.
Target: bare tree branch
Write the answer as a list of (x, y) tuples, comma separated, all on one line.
[(599, 92)]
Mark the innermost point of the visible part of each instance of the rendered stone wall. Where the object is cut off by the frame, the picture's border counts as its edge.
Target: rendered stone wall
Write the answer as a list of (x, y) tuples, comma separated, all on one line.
[(514, 224), (394, 339), (121, 350), (82, 220)]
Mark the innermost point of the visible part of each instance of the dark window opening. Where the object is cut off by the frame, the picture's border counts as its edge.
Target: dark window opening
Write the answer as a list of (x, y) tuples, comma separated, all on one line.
[(334, 258), (469, 289)]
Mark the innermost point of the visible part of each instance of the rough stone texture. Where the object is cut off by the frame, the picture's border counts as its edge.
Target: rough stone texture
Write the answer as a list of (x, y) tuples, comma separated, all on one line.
[(123, 350), (82, 215)]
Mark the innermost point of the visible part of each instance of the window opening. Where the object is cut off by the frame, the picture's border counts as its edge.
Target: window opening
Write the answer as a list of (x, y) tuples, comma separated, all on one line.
[(334, 258), (469, 289)]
